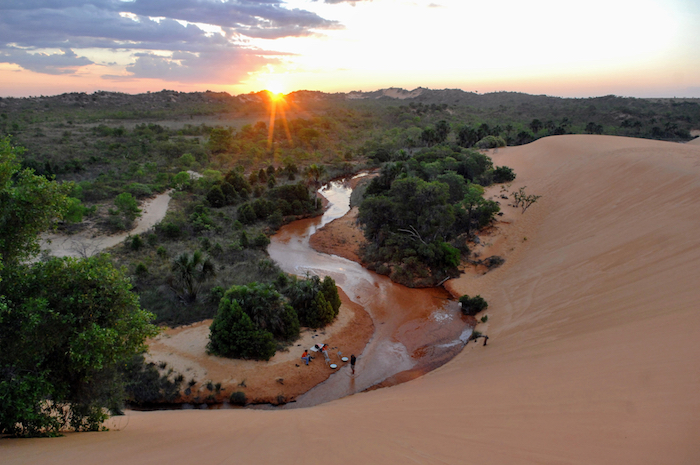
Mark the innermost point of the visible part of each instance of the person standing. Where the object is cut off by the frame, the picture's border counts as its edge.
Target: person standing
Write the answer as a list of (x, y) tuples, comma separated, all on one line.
[(353, 359)]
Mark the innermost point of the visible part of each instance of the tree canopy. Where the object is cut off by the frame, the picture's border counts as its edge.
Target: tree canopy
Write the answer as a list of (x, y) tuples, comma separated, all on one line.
[(418, 213), (29, 204), (65, 324)]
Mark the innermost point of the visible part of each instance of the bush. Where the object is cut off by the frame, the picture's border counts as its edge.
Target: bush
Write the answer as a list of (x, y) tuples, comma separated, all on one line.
[(472, 305), (246, 214), (141, 269), (261, 241), (491, 142), (266, 308), (136, 243), (317, 303), (238, 398), (233, 335), (143, 384), (216, 197), (170, 230), (503, 174)]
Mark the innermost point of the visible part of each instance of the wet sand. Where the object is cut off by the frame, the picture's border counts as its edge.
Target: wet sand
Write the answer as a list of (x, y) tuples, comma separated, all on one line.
[(593, 356)]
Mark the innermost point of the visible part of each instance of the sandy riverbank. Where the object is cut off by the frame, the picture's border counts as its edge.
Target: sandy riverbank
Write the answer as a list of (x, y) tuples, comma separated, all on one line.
[(279, 380), (593, 356)]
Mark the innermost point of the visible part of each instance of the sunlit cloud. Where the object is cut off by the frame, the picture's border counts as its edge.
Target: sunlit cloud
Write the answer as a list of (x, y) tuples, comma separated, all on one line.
[(341, 45)]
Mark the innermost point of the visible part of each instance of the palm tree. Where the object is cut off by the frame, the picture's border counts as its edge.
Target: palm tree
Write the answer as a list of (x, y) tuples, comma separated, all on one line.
[(189, 274), (313, 176)]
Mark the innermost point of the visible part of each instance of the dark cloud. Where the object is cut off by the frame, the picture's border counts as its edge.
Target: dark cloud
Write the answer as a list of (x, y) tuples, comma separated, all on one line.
[(54, 63), (102, 19), (73, 24)]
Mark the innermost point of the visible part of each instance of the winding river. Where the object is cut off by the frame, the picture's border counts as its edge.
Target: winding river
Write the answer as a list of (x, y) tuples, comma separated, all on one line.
[(416, 330)]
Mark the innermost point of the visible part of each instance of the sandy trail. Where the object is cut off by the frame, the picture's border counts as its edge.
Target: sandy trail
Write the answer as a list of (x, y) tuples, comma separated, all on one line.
[(593, 357), (87, 244)]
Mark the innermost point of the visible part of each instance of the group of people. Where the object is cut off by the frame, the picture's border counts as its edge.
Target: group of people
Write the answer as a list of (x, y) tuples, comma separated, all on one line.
[(323, 348)]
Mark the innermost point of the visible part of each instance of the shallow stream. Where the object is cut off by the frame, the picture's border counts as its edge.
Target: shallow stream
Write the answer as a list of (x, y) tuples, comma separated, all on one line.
[(416, 330)]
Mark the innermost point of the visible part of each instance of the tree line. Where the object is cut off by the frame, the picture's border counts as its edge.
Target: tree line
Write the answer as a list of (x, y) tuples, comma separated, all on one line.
[(420, 212)]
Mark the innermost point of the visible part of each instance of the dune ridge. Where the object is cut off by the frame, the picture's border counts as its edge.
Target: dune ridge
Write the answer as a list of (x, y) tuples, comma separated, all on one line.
[(592, 358)]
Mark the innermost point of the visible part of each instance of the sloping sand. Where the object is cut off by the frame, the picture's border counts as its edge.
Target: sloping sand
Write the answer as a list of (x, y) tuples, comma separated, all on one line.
[(593, 357)]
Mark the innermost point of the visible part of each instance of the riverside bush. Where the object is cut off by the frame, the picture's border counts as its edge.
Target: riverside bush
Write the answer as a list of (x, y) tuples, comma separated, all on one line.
[(473, 305), (233, 334)]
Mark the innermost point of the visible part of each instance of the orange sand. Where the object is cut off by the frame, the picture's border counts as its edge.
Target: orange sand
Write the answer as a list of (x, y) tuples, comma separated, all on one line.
[(281, 379), (593, 357)]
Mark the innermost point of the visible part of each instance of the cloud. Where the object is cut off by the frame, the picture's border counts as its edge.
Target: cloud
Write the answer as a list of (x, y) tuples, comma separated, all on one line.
[(212, 66), (344, 1), (31, 27), (47, 63)]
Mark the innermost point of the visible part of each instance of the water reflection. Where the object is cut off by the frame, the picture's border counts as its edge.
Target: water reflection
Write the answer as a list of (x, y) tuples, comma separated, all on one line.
[(415, 329)]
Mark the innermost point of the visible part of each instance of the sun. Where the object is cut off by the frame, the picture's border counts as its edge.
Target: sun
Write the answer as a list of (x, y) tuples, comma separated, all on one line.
[(276, 89)]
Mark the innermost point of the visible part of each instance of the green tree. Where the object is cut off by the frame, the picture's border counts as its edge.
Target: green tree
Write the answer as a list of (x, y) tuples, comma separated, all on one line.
[(220, 140), (266, 308), (473, 200), (189, 273), (330, 292), (65, 326), (313, 176), (29, 204), (442, 130), (315, 302), (467, 136), (216, 197), (472, 305), (233, 334), (126, 212), (182, 180)]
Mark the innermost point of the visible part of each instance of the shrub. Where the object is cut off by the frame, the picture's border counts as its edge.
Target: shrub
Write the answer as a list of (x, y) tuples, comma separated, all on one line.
[(261, 241), (266, 308), (473, 305), (238, 398), (503, 174), (143, 384), (139, 190), (317, 303), (136, 243), (141, 269), (216, 197), (233, 334), (491, 142), (246, 214), (169, 229)]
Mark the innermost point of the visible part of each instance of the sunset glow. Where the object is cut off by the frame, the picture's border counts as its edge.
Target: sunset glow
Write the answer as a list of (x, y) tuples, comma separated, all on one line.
[(648, 48)]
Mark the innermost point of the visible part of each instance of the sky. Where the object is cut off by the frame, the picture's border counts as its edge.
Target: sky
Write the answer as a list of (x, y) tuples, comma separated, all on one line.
[(638, 48)]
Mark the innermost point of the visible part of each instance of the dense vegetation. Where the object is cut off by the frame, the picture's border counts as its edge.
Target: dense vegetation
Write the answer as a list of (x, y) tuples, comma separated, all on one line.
[(236, 177), (418, 215), (66, 325), (252, 319)]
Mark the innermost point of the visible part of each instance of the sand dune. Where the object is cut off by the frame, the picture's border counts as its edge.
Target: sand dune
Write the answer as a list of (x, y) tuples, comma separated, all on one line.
[(593, 358)]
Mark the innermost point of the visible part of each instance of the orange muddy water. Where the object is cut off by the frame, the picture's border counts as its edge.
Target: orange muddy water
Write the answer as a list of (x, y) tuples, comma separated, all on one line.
[(416, 330)]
